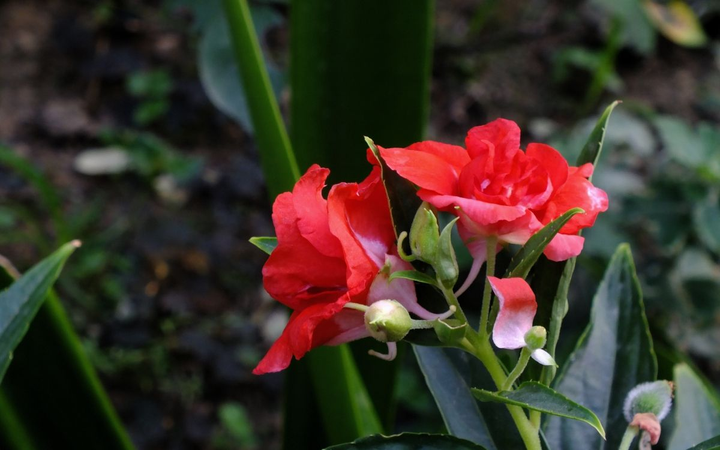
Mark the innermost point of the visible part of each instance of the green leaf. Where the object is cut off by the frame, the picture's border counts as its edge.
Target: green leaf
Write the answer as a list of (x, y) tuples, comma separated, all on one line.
[(21, 301), (538, 397), (593, 147), (409, 441), (710, 444), (277, 157), (617, 340), (265, 243), (706, 218), (76, 411), (449, 373), (528, 255), (348, 401), (696, 410), (413, 275), (371, 78), (677, 22)]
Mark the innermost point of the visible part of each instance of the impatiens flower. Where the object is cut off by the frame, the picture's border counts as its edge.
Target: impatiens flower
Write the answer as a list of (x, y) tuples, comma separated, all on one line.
[(513, 327), (331, 252), (498, 190)]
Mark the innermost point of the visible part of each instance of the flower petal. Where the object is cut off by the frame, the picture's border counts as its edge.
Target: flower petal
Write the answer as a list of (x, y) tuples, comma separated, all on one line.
[(543, 357), (427, 170), (551, 159), (477, 211), (517, 311), (564, 246), (501, 138)]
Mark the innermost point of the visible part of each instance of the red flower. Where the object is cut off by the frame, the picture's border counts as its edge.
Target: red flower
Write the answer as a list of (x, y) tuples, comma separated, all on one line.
[(330, 253), (498, 190)]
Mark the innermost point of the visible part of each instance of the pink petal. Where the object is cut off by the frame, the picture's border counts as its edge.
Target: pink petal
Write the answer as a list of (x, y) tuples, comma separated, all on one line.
[(564, 246), (477, 211), (517, 311)]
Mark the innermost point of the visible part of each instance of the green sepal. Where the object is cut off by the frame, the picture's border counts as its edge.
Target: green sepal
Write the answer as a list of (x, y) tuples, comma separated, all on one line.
[(450, 331), (538, 397), (413, 275), (424, 234), (264, 243), (445, 265)]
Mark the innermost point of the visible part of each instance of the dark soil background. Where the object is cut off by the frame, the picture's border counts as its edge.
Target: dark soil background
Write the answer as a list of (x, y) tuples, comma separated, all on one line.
[(168, 296)]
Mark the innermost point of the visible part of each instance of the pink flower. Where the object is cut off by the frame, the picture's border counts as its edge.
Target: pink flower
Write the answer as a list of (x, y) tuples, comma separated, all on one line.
[(330, 253), (515, 317), (498, 190)]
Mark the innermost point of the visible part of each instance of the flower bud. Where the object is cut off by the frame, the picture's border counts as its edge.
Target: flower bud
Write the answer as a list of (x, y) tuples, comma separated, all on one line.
[(535, 338), (424, 234), (446, 266), (653, 397), (387, 321)]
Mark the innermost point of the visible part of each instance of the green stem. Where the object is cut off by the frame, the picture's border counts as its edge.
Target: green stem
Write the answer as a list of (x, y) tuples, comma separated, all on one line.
[(276, 155), (628, 437), (453, 301), (487, 293), (518, 370)]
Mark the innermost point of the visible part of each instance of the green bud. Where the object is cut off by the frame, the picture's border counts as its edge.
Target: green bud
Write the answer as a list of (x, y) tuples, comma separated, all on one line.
[(535, 338), (387, 321), (424, 234), (653, 397), (445, 264), (450, 331)]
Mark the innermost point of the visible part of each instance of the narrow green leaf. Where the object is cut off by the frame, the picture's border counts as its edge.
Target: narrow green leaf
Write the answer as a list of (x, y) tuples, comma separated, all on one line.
[(409, 441), (593, 147), (528, 255), (617, 340), (276, 155), (696, 410), (551, 281), (14, 434), (413, 275), (348, 400), (538, 397), (449, 373), (21, 301), (710, 444), (266, 244)]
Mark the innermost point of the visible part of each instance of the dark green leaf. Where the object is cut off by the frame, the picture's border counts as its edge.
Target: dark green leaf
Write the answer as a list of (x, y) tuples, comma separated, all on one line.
[(710, 444), (449, 373), (706, 218), (266, 244), (409, 441), (76, 411), (538, 397), (413, 275), (21, 301), (618, 341), (346, 408), (528, 255), (696, 410), (593, 147)]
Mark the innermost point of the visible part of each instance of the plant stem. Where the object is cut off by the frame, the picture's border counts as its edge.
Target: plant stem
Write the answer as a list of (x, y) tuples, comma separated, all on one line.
[(453, 301), (487, 293), (628, 437), (518, 370)]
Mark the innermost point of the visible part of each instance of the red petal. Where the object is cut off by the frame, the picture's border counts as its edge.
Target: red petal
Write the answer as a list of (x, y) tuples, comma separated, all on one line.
[(552, 161), (311, 210), (564, 246), (427, 170), (482, 213), (298, 337), (517, 311), (577, 192), (500, 137)]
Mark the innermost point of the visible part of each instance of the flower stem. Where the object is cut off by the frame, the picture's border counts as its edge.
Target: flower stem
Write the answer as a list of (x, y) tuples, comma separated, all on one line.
[(487, 293), (518, 370), (628, 437)]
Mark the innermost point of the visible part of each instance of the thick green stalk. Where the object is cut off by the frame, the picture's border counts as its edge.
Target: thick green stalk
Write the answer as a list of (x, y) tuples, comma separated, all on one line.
[(276, 155), (518, 370), (487, 292), (628, 437)]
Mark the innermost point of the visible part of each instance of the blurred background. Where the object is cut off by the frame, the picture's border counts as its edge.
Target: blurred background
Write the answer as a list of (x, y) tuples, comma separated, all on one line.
[(123, 123)]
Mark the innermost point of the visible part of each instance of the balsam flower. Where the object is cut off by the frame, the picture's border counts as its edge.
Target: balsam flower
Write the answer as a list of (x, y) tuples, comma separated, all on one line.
[(331, 252), (498, 190), (513, 327)]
